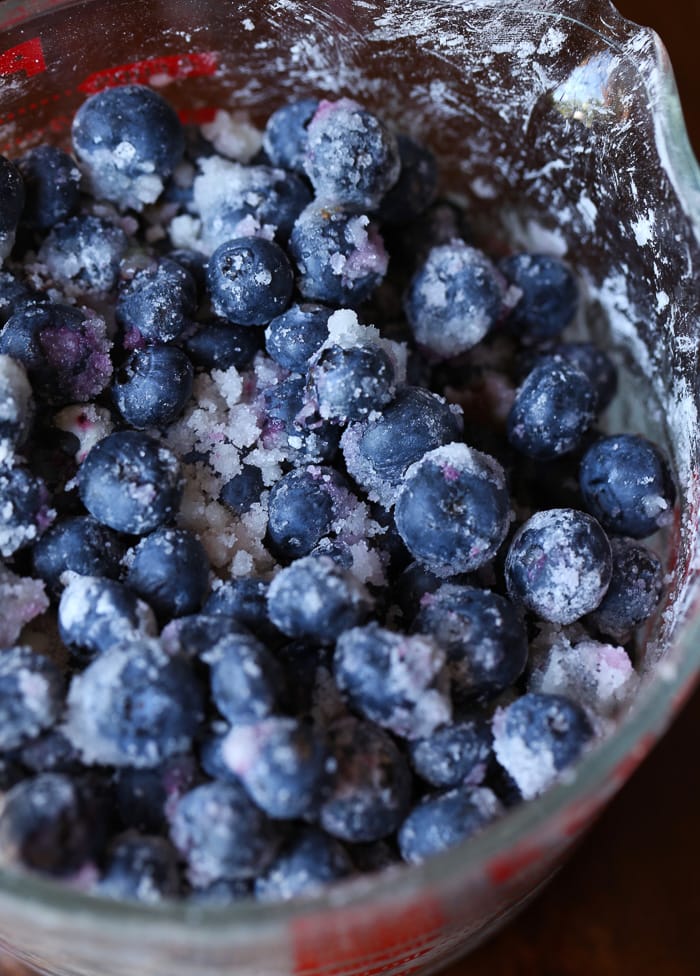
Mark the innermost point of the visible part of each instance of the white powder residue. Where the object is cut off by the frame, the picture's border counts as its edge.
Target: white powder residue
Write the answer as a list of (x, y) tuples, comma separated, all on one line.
[(232, 134), (643, 228)]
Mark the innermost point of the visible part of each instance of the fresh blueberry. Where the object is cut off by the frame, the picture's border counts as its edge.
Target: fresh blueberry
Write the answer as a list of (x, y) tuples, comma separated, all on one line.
[(246, 679), (222, 835), (94, 614), (52, 186), (218, 344), (315, 598), (285, 135), (78, 543), (243, 490), (370, 790), (146, 798), (626, 484), (455, 755), (349, 384), (16, 405), (128, 140), (306, 438), (15, 294), (84, 251), (416, 186), (156, 304), (453, 509), (536, 737), (11, 204), (51, 753), (378, 451), (559, 565), (482, 634), (311, 861), (301, 510), (553, 409), (24, 509), (153, 386), (399, 682), (130, 483), (635, 590), (594, 362), (453, 300), (244, 601), (443, 820), (281, 763), (140, 868), (133, 706), (64, 350), (31, 695), (170, 571), (296, 335), (549, 294), (250, 280)]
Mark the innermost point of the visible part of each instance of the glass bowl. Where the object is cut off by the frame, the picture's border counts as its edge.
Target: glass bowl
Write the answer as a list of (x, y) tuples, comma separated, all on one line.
[(557, 123)]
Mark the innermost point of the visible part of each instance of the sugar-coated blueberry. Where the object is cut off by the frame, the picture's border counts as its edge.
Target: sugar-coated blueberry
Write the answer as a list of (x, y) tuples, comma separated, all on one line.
[(225, 891), (370, 790), (157, 304), (31, 695), (482, 634), (305, 438), (453, 509), (244, 600), (52, 186), (218, 344), (594, 362), (16, 294), (16, 405), (635, 590), (140, 868), (195, 634), (559, 565), (315, 598), (454, 755), (309, 862), (146, 798), (537, 736), (443, 820), (51, 752), (246, 679), (397, 681), (349, 384), (153, 386), (211, 757), (11, 204), (301, 510), (130, 483), (285, 135), (78, 543), (626, 484), (24, 509), (296, 335), (415, 189), (128, 140), (453, 300), (84, 251), (243, 491), (549, 294), (170, 571), (250, 280), (94, 614), (133, 706)]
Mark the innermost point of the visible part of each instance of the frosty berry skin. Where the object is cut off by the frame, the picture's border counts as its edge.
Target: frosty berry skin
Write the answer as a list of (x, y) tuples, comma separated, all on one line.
[(85, 250), (170, 571), (79, 544), (249, 280), (95, 613), (304, 866), (245, 678), (548, 298), (140, 868), (349, 384), (301, 510), (24, 500), (31, 695), (293, 337), (153, 386), (52, 186), (286, 133), (156, 304), (456, 754), (444, 819), (636, 586), (243, 490)]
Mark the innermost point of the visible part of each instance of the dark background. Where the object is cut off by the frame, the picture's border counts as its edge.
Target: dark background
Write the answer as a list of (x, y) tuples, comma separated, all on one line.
[(628, 901)]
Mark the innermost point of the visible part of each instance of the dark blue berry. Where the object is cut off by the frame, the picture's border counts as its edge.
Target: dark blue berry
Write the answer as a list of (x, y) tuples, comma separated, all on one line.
[(243, 490), (51, 753), (195, 263), (311, 861), (140, 868), (15, 294), (351, 383), (285, 135), (211, 756), (11, 204), (78, 543), (416, 186), (31, 695), (170, 571), (16, 405), (455, 755), (157, 304), (153, 386), (24, 509), (595, 363), (146, 798), (412, 589), (130, 483), (443, 820), (246, 680), (84, 250), (306, 438), (244, 601), (52, 186), (197, 633), (94, 614), (296, 335), (250, 280), (226, 891), (301, 510), (559, 565), (635, 590), (549, 298), (218, 344), (626, 484)]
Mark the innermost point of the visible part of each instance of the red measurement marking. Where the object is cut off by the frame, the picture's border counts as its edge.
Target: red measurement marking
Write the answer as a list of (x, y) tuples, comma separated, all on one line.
[(27, 57), (169, 67)]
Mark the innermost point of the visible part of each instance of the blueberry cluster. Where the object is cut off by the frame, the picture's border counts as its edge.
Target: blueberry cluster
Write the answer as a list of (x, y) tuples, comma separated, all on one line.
[(311, 562)]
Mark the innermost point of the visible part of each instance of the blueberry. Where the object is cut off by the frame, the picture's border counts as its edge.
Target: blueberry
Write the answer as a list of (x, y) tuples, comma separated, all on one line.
[(250, 280), (378, 451), (559, 565), (416, 186), (24, 509), (626, 484), (453, 300), (482, 634), (31, 695), (281, 763), (64, 350), (197, 633), (170, 571), (11, 773), (128, 140), (285, 135), (549, 294), (78, 543), (195, 263), (16, 294), (301, 510), (153, 386), (339, 255), (370, 790), (443, 820), (399, 682), (455, 755), (133, 706), (349, 384), (241, 492), (218, 344), (52, 186), (305, 438), (453, 509), (84, 251), (51, 753), (635, 590), (11, 204), (536, 737), (49, 824), (315, 598), (16, 405), (595, 363), (246, 680), (94, 614), (294, 337), (244, 601), (211, 756), (157, 304), (221, 834), (140, 868), (311, 861), (553, 409), (130, 483), (146, 798)]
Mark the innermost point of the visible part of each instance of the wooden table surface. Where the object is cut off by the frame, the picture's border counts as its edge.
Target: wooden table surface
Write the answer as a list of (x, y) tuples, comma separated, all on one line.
[(628, 902)]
